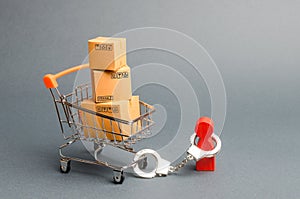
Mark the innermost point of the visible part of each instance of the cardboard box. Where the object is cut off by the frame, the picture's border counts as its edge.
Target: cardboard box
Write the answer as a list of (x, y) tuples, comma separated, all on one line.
[(126, 110), (111, 85), (90, 122), (107, 53)]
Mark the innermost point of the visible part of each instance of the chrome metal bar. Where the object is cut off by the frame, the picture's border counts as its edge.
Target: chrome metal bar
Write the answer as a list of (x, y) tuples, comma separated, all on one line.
[(57, 112)]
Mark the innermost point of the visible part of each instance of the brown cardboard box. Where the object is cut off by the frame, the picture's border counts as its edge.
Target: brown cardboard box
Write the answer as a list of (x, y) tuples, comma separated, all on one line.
[(111, 85), (125, 110), (107, 53), (89, 121)]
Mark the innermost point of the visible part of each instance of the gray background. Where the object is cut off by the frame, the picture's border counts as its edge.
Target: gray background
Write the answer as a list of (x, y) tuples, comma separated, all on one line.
[(255, 45)]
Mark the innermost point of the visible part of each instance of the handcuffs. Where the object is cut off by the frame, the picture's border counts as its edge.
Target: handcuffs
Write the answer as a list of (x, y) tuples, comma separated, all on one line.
[(163, 167)]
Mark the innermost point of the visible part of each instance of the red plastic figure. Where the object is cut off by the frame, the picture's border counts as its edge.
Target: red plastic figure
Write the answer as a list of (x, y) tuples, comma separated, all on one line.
[(204, 129)]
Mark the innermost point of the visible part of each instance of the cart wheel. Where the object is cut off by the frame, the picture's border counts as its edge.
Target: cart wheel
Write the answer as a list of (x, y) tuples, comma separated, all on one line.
[(143, 163), (65, 166), (118, 177)]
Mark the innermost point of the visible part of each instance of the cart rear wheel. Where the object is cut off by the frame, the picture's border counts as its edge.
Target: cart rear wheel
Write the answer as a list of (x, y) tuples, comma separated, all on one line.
[(118, 177), (65, 166)]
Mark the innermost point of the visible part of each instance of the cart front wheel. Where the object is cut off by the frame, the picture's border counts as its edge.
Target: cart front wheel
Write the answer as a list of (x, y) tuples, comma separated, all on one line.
[(65, 166), (118, 177)]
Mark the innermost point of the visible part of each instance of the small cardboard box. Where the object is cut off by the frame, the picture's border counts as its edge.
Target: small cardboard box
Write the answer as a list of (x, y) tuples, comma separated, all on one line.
[(111, 85), (107, 53), (96, 126)]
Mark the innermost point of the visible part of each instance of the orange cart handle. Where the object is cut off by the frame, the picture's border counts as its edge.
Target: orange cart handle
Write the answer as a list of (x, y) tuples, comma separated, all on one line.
[(50, 79)]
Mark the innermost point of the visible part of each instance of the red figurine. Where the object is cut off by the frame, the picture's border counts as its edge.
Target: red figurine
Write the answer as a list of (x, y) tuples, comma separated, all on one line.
[(204, 129)]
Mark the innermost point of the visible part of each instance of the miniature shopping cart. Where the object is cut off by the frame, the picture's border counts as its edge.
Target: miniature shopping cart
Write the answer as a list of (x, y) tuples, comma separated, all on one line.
[(72, 117)]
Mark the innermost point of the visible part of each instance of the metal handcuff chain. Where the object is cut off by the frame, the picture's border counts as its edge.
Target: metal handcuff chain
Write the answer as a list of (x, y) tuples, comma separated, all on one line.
[(163, 167)]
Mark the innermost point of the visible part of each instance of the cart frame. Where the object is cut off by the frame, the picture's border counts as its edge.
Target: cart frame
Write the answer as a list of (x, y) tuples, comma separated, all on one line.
[(71, 124)]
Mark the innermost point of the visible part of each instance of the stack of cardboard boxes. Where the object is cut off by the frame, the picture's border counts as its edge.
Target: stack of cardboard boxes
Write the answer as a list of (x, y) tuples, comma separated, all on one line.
[(111, 90)]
